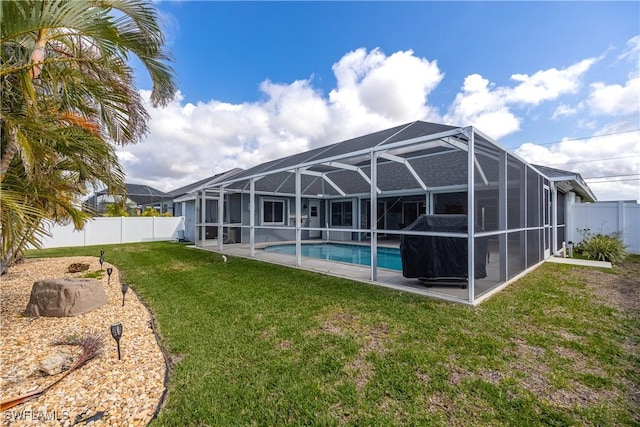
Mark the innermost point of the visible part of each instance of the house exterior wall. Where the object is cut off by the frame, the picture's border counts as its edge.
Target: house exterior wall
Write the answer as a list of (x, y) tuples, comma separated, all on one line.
[(282, 232), (189, 215), (274, 233)]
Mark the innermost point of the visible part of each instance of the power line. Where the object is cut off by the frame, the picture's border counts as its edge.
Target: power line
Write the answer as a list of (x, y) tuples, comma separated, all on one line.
[(586, 137), (614, 180), (594, 160), (613, 176)]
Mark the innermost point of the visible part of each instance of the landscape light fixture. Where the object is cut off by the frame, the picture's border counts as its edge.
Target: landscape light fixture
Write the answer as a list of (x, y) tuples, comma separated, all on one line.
[(109, 271), (116, 333), (124, 289), (101, 261)]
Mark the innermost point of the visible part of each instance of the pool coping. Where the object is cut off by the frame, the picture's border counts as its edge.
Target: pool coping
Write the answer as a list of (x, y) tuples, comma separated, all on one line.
[(293, 244), (392, 279)]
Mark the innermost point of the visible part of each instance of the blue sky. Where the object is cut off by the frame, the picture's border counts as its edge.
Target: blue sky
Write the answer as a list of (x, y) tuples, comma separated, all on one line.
[(260, 80)]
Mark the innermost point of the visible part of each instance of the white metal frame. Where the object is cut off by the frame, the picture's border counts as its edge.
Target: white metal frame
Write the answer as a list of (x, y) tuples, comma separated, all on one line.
[(382, 151)]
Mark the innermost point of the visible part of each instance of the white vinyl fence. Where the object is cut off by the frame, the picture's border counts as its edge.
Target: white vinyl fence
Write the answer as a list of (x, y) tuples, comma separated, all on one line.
[(104, 231), (606, 218)]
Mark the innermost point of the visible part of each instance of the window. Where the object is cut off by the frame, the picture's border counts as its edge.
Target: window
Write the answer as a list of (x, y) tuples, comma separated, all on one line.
[(341, 214), (273, 211), (450, 203)]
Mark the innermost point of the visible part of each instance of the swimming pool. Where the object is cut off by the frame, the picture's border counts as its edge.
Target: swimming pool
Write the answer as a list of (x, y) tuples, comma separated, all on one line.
[(352, 254)]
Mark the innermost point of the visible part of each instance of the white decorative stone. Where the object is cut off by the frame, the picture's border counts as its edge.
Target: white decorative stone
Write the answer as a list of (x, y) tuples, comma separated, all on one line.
[(56, 363)]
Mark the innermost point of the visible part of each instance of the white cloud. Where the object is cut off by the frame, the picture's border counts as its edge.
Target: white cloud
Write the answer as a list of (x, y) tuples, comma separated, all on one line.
[(615, 99), (376, 91), (613, 153), (564, 110), (190, 141), (587, 124), (296, 109), (489, 107), (127, 156), (483, 105), (632, 50), (383, 93), (548, 84), (170, 26)]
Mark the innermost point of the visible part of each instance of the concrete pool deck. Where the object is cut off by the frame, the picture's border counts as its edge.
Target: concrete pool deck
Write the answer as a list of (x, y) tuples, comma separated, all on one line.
[(391, 279)]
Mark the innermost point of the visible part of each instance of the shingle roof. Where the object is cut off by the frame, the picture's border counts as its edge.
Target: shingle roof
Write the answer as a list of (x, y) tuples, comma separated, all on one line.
[(353, 145), (196, 185), (572, 179), (553, 172), (441, 162), (139, 193), (435, 152)]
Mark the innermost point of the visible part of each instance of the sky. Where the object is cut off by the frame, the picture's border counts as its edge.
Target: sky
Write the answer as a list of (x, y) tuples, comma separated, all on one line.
[(558, 83)]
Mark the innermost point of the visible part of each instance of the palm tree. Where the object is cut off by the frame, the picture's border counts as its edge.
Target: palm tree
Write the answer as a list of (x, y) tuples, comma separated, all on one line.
[(67, 99)]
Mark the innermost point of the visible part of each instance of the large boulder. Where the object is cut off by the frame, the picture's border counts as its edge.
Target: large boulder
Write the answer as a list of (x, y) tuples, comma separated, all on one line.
[(65, 297)]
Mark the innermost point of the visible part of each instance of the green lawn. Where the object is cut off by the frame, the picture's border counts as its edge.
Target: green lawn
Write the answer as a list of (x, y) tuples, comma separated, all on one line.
[(260, 344)]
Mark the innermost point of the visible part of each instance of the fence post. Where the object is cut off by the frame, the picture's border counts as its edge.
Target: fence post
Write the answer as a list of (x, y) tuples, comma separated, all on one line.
[(621, 218), (153, 228), (121, 229)]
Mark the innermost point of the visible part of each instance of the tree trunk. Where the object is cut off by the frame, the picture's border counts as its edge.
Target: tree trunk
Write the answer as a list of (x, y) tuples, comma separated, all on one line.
[(9, 152), (7, 261), (37, 56)]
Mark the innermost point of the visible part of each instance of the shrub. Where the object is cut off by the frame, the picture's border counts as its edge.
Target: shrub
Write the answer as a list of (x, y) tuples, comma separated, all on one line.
[(603, 247), (118, 208), (149, 211)]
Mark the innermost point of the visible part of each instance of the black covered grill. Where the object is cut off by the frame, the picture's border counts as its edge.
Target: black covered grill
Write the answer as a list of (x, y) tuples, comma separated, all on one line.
[(433, 257)]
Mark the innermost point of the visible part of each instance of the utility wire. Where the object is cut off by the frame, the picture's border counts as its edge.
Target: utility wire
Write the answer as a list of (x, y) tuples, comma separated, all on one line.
[(614, 180), (595, 160), (586, 137), (613, 176)]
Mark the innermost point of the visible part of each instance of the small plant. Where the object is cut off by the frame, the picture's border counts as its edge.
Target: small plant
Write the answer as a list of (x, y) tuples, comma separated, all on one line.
[(602, 247), (117, 208), (93, 274), (149, 211)]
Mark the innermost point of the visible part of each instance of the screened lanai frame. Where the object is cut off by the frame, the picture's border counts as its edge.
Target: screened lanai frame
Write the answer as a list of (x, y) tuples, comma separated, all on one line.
[(510, 205)]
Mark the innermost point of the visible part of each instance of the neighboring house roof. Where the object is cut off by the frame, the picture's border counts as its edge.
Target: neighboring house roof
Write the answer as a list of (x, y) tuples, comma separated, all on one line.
[(186, 192), (138, 193), (568, 181)]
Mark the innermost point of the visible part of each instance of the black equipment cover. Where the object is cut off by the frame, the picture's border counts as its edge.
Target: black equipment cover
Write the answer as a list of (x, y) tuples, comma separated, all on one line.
[(433, 257)]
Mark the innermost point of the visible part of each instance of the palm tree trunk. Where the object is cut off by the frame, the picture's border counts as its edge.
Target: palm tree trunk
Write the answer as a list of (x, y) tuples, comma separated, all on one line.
[(7, 260), (37, 56), (9, 152), (16, 251)]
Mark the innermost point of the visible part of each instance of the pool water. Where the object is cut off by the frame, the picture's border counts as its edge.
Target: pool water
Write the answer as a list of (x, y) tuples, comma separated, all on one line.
[(352, 254)]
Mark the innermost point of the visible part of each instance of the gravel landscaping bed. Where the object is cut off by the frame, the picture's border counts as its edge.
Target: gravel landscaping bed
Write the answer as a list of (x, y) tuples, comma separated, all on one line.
[(104, 392)]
